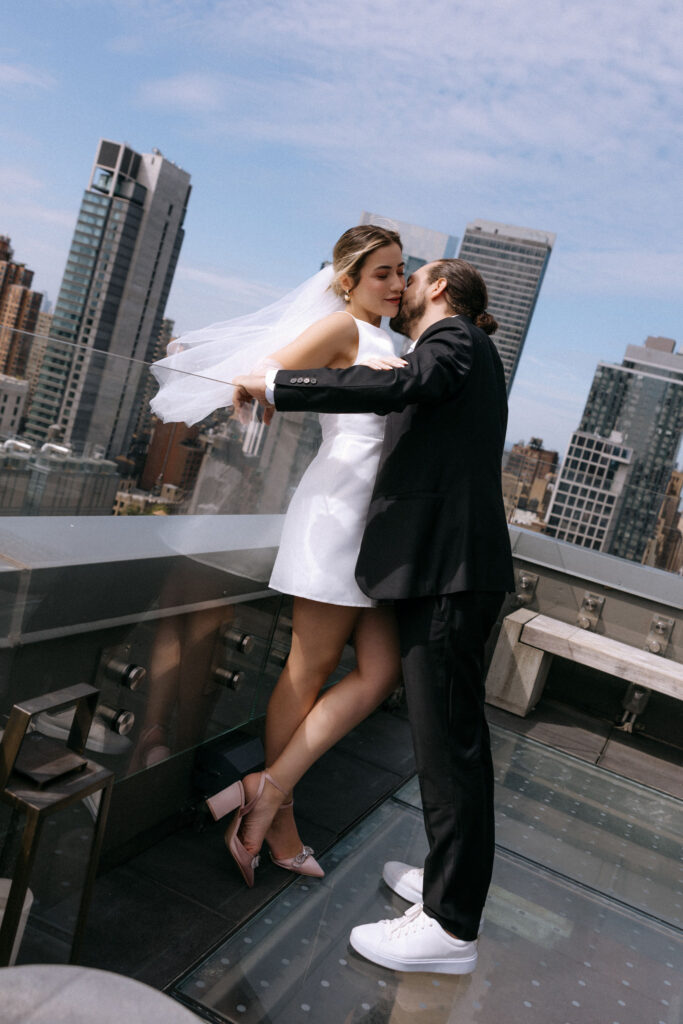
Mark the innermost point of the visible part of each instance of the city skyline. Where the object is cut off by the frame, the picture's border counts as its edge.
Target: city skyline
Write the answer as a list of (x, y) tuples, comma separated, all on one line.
[(290, 134)]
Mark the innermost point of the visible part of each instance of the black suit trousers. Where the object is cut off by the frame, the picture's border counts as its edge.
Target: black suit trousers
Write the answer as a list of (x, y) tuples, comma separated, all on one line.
[(442, 650)]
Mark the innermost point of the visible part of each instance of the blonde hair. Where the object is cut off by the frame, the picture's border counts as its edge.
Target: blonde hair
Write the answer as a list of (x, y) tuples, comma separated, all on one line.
[(354, 247)]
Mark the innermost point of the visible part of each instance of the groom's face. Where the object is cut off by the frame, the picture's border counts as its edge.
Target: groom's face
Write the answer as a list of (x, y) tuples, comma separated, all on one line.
[(413, 304)]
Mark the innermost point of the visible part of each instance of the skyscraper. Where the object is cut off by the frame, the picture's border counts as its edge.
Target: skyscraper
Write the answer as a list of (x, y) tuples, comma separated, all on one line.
[(589, 488), (19, 308), (512, 261), (620, 460), (36, 355), (665, 548), (112, 298)]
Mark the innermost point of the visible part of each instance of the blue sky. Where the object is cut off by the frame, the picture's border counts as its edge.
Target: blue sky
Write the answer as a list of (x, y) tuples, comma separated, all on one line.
[(293, 116)]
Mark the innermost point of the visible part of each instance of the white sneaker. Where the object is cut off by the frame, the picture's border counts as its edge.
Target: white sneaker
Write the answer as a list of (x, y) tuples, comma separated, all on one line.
[(407, 882), (404, 880), (414, 942)]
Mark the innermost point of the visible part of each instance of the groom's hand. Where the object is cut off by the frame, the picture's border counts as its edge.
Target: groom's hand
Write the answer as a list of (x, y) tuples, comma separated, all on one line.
[(252, 387)]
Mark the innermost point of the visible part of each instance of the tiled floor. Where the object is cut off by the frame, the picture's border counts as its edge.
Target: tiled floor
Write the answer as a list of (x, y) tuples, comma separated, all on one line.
[(583, 922)]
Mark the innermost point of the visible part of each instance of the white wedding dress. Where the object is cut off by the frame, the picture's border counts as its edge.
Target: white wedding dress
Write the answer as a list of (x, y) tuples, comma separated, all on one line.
[(326, 517)]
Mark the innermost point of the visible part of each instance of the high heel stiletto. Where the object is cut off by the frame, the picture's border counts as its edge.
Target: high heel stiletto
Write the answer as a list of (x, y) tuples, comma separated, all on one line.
[(304, 863), (227, 800)]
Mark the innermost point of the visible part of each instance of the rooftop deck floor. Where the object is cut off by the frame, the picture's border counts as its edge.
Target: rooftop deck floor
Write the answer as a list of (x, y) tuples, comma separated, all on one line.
[(583, 924)]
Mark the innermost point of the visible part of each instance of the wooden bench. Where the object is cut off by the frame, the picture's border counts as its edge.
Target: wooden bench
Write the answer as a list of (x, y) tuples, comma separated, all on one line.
[(527, 642)]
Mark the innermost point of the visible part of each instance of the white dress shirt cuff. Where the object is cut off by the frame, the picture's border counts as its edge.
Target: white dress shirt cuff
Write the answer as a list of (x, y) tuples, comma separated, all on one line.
[(270, 384)]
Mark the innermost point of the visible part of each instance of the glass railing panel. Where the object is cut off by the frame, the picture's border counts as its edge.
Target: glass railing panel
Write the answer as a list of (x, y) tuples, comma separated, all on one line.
[(85, 442), (115, 525), (118, 530), (135, 555), (79, 438)]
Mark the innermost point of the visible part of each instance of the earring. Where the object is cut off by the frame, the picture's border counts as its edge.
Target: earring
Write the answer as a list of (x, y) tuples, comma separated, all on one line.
[(347, 297)]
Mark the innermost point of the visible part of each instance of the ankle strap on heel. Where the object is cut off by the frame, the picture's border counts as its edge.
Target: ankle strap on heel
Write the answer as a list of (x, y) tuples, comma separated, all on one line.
[(272, 781), (261, 786)]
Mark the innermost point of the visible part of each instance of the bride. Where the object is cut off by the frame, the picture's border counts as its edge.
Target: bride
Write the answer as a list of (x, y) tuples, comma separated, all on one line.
[(332, 320)]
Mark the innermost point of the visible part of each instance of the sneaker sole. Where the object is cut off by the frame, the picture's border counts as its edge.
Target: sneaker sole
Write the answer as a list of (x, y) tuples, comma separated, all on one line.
[(428, 966)]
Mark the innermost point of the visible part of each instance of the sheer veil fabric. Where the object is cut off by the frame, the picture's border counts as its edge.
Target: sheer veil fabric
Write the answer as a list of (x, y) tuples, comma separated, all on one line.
[(194, 377)]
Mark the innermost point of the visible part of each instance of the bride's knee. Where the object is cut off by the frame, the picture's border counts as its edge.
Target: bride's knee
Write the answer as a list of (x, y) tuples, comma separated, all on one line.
[(312, 668)]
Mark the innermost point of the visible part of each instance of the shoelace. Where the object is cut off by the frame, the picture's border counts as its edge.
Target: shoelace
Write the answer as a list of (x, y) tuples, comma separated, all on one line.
[(408, 922)]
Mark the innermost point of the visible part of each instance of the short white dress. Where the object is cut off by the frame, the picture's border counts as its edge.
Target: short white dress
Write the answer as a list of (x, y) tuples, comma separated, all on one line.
[(326, 517)]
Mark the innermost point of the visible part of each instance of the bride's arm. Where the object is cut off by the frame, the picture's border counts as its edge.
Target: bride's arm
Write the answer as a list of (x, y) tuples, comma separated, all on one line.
[(332, 341)]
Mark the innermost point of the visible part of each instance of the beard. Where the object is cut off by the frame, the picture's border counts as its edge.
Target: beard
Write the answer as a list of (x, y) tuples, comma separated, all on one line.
[(407, 316)]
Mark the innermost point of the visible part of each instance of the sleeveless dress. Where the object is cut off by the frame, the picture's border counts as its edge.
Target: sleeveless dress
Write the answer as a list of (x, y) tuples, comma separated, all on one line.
[(326, 517)]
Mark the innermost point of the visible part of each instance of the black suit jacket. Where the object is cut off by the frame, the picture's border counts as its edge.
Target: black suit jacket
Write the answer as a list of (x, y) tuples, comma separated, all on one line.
[(436, 523)]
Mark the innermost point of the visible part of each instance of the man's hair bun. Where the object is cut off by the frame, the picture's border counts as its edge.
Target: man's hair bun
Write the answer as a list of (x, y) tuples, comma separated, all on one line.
[(486, 322)]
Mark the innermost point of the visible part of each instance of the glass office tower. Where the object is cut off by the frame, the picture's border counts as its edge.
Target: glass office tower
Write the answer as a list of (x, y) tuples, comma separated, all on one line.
[(513, 262), (620, 460), (108, 314)]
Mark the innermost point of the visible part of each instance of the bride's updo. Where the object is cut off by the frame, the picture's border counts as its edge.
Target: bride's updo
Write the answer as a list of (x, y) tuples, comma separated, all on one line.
[(354, 247)]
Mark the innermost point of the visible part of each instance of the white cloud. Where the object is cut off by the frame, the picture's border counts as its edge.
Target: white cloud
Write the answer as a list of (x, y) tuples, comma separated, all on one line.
[(45, 215), (25, 188), (545, 113), (15, 180), (540, 114), (190, 93), (22, 75), (530, 93), (249, 291)]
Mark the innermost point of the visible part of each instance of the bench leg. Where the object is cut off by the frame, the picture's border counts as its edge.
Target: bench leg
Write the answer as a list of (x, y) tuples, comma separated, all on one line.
[(517, 672)]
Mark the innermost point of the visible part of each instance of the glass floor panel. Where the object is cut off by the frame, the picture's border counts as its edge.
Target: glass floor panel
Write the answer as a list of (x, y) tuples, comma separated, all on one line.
[(615, 836), (579, 929)]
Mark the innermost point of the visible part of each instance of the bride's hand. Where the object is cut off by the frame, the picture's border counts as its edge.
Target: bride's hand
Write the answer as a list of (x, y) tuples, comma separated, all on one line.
[(383, 362), (248, 387)]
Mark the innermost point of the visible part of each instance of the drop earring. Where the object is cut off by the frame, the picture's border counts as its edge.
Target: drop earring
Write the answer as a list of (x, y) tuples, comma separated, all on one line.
[(347, 297)]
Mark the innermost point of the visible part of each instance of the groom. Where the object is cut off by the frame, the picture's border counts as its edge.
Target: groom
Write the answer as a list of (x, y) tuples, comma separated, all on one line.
[(436, 545)]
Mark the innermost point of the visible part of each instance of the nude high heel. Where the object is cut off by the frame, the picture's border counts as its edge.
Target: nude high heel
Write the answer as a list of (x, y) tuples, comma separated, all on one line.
[(227, 800), (304, 863)]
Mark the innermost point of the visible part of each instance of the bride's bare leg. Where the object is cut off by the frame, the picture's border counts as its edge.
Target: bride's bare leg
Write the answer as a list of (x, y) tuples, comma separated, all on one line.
[(319, 632), (351, 700), (334, 714)]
